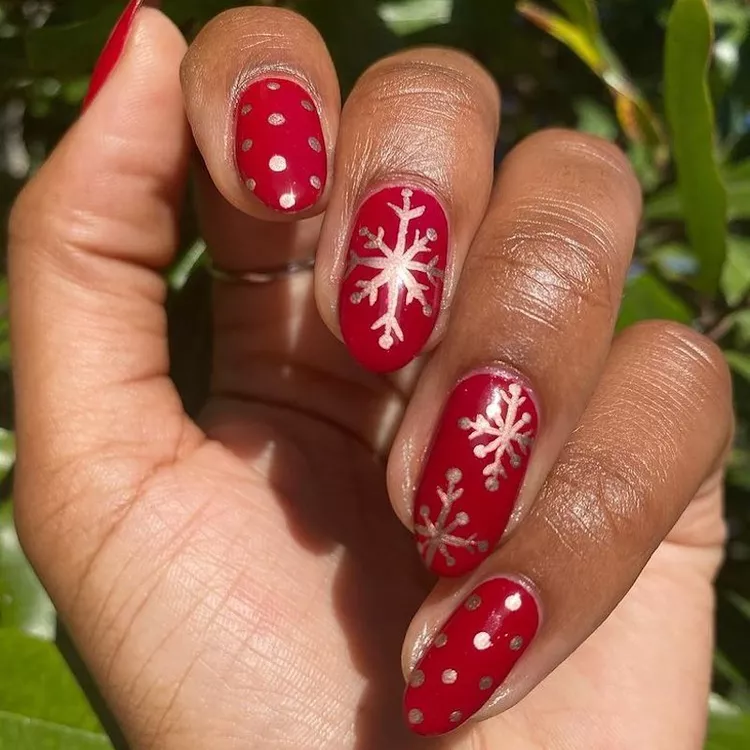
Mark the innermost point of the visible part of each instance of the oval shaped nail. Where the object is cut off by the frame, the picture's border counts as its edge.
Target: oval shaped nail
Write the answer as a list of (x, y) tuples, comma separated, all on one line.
[(471, 656), (393, 285), (474, 471), (279, 145)]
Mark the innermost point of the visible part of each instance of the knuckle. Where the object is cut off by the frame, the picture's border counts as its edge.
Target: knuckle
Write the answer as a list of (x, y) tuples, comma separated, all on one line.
[(605, 499), (585, 158), (692, 361), (431, 85), (249, 38), (586, 146), (558, 256)]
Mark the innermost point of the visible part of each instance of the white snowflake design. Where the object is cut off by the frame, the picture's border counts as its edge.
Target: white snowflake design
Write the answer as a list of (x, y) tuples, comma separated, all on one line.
[(397, 266), (440, 534), (508, 437)]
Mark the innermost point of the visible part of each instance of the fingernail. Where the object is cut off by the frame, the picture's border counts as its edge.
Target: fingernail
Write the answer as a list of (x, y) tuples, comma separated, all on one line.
[(474, 471), (393, 285), (471, 656), (112, 51), (280, 148)]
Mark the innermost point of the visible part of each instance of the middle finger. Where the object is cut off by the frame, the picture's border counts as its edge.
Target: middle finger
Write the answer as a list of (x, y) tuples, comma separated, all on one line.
[(530, 331)]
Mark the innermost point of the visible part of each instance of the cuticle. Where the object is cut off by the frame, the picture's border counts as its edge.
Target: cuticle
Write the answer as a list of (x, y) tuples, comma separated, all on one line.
[(506, 371)]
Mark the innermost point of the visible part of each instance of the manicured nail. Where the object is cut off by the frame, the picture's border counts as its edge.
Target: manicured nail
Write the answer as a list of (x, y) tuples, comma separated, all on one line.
[(471, 656), (474, 471), (280, 149), (112, 51), (393, 286)]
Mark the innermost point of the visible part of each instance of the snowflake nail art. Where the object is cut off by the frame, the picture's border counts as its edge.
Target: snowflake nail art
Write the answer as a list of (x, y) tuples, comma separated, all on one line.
[(483, 458), (393, 284), (441, 535), (506, 422)]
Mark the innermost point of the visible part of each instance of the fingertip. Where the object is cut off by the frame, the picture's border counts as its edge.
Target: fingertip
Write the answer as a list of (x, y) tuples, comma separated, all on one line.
[(262, 97)]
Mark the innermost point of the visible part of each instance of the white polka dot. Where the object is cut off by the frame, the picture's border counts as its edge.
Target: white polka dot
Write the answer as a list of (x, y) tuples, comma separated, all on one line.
[(449, 676), (455, 717), (251, 183), (417, 678), (315, 145), (247, 145), (441, 640), (415, 716), (276, 119), (307, 105), (485, 683), (277, 163), (287, 200), (482, 641), (315, 182), (247, 109), (513, 602), (273, 86), (516, 642)]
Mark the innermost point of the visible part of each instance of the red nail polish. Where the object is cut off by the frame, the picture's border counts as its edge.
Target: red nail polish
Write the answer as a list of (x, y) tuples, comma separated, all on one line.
[(471, 656), (393, 286), (280, 149), (112, 51), (474, 471)]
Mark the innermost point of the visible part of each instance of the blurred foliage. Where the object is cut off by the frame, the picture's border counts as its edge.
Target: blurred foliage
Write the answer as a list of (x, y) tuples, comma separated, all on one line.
[(668, 80)]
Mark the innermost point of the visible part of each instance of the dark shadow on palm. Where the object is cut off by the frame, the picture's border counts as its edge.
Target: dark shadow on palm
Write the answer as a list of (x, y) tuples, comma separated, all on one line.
[(331, 486)]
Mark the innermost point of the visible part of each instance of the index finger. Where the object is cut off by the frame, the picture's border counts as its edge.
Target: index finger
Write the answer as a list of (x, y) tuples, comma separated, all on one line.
[(262, 96)]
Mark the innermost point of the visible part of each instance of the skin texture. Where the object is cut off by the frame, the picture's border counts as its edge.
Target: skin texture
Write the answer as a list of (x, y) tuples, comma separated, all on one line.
[(243, 582)]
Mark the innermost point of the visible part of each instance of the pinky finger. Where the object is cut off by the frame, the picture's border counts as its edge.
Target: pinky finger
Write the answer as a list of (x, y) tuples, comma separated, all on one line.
[(657, 426)]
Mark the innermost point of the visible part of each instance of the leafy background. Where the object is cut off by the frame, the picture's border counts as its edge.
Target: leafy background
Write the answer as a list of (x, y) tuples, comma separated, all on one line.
[(669, 80)]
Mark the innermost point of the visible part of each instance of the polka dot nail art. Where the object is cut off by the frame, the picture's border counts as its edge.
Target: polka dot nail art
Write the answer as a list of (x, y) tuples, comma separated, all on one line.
[(471, 656), (280, 151)]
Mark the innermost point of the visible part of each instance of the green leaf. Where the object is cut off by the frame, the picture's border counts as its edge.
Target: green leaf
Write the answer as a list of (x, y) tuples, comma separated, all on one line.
[(20, 733), (70, 49), (41, 705), (724, 667), (579, 30), (648, 298), (583, 14), (728, 728), (740, 325), (735, 278), (691, 120), (23, 602), (742, 604), (7, 451), (740, 363), (180, 273), (666, 204), (596, 119), (410, 16)]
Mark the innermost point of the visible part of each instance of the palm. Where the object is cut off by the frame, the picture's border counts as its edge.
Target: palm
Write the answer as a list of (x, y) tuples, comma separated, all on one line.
[(297, 584)]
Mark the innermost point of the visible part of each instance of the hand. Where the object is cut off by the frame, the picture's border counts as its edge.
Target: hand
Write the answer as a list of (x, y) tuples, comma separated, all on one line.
[(242, 582)]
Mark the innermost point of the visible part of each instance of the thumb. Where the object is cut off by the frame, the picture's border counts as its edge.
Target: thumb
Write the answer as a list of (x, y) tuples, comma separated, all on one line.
[(88, 237)]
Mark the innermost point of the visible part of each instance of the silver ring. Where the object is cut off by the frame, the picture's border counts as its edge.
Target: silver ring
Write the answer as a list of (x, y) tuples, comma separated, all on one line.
[(267, 276)]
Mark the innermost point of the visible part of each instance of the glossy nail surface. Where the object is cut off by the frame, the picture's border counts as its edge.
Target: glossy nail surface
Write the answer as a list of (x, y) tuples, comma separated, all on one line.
[(471, 656), (112, 51), (474, 471), (393, 285), (279, 147)]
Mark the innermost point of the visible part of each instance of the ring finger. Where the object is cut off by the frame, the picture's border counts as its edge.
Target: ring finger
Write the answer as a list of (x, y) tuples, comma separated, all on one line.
[(414, 163)]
